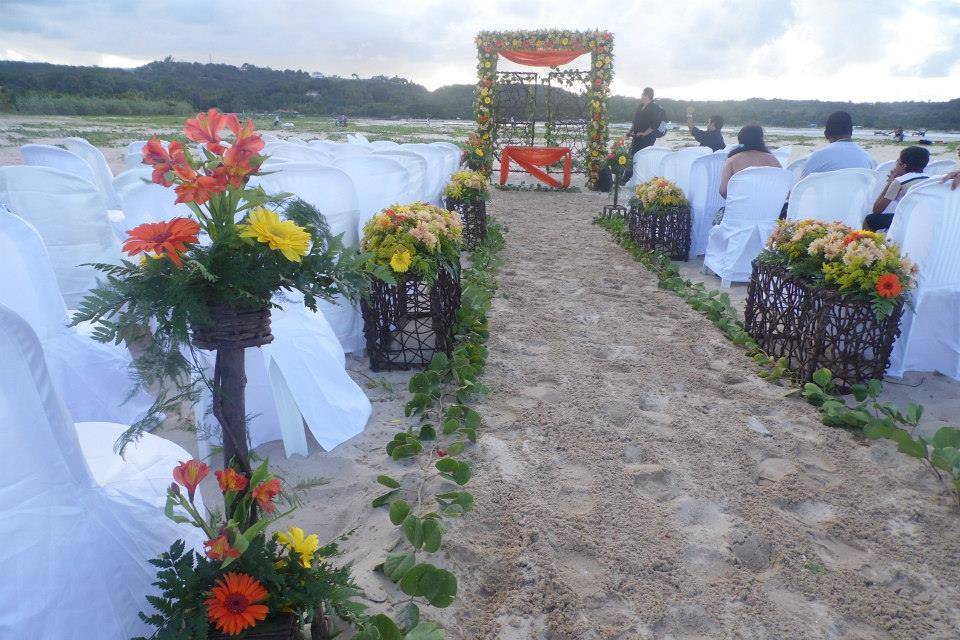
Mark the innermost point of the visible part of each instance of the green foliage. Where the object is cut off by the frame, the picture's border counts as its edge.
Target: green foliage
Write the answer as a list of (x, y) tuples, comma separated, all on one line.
[(440, 395)]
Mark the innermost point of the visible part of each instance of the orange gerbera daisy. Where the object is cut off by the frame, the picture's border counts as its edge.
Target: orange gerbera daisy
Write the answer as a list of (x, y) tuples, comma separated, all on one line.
[(265, 492), (232, 603), (888, 286), (163, 238)]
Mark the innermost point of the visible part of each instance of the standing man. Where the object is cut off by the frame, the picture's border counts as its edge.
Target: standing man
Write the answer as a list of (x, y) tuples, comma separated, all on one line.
[(646, 122), (842, 152), (712, 137)]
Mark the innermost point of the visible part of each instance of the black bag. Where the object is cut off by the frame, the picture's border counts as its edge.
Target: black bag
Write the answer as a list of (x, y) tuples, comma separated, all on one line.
[(662, 127), (604, 180)]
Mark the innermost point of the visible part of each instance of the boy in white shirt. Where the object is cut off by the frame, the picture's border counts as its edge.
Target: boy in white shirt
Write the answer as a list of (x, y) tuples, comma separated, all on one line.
[(906, 174), (842, 152)]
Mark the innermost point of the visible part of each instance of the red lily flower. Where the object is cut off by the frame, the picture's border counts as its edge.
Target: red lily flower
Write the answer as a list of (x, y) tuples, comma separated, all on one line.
[(265, 492), (191, 472)]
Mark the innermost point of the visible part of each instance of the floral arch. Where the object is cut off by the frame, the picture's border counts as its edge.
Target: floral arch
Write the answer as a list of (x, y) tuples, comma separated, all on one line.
[(543, 48)]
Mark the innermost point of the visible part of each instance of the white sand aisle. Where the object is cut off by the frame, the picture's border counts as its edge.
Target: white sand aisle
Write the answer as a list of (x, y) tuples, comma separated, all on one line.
[(621, 493)]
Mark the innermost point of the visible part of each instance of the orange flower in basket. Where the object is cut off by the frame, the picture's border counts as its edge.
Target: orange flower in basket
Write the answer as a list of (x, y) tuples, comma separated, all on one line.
[(888, 286), (206, 128), (265, 492), (230, 480), (190, 474), (164, 238), (220, 549), (232, 605)]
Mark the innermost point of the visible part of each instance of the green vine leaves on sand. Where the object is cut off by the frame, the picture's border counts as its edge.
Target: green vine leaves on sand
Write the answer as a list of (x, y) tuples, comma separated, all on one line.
[(873, 418), (445, 425)]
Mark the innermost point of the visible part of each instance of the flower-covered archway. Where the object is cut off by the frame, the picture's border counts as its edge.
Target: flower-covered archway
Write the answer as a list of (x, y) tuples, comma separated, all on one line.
[(543, 48)]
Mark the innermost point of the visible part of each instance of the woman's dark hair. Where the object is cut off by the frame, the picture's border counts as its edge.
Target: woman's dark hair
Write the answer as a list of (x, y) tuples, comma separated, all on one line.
[(750, 139)]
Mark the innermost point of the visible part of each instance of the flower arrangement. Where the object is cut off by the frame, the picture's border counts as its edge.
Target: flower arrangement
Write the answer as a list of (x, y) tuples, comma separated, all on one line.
[(417, 238), (618, 160), (467, 186), (861, 264), (599, 44), (240, 247), (245, 579), (658, 193)]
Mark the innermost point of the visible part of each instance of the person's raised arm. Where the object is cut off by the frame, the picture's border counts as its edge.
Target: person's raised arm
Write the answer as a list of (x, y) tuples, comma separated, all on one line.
[(953, 177)]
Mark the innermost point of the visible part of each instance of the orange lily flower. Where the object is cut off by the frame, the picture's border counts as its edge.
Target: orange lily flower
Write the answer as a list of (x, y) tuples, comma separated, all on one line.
[(230, 480), (206, 128), (200, 189), (265, 492), (191, 472), (220, 549), (246, 146)]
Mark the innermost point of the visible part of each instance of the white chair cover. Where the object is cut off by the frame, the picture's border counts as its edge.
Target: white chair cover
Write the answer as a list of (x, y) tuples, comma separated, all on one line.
[(384, 144), (416, 167), (269, 137), (940, 167), (296, 140), (676, 166), (103, 176), (332, 192), (357, 138), (91, 377), (150, 202), (75, 555), (797, 167), (71, 215), (347, 150), (845, 195), (646, 165), (884, 168), (927, 228), (437, 170), (296, 152), (454, 153), (379, 182), (755, 197), (45, 155), (133, 158), (782, 154), (705, 198), (131, 178)]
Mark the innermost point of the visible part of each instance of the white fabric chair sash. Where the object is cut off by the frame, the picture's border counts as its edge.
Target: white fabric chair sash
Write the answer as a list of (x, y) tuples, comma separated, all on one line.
[(927, 229), (416, 167), (845, 195), (755, 197), (71, 215), (103, 176), (646, 165), (705, 198), (45, 155), (676, 166)]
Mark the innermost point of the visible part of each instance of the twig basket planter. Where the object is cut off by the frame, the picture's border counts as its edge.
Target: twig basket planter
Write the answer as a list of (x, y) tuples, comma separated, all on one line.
[(281, 627), (229, 333), (818, 328), (474, 217), (663, 229), (406, 323)]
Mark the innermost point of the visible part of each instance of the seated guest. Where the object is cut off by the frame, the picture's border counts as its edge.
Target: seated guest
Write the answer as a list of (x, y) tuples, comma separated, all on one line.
[(842, 152), (711, 137), (906, 174), (751, 152)]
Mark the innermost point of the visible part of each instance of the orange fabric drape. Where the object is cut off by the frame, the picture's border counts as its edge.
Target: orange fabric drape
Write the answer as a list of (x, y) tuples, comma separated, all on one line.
[(549, 58), (531, 157)]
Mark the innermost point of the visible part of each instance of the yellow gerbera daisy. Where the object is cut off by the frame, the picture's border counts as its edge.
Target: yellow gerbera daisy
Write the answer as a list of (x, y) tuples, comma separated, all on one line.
[(297, 541), (400, 261), (285, 236)]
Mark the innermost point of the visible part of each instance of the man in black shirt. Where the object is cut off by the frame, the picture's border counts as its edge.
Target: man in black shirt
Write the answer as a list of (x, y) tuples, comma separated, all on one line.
[(646, 122), (712, 137)]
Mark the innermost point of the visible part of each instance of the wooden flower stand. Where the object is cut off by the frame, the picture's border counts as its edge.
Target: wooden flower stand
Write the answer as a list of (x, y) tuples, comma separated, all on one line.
[(406, 323), (663, 229), (615, 210), (818, 328), (231, 332), (474, 216)]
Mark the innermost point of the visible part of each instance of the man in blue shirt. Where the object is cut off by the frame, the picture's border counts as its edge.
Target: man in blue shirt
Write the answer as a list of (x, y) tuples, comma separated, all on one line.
[(842, 152)]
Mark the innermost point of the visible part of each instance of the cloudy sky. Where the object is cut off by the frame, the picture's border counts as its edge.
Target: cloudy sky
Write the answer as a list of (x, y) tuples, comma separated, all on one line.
[(860, 50)]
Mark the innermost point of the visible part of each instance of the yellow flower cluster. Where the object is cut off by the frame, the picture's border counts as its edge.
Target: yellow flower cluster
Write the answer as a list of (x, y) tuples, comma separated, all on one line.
[(467, 186), (285, 236), (298, 542), (660, 192), (417, 236)]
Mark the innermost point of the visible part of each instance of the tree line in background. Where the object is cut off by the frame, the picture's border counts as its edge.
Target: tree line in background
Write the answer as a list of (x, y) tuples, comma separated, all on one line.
[(171, 87)]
